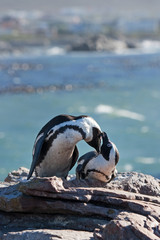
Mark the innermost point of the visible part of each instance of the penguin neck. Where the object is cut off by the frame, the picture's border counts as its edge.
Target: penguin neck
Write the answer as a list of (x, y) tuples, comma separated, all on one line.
[(76, 130), (88, 125), (72, 136), (68, 135)]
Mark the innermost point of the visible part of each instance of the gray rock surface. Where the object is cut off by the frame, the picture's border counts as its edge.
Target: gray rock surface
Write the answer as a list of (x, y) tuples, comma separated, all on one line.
[(137, 183), (46, 234), (101, 43), (53, 208)]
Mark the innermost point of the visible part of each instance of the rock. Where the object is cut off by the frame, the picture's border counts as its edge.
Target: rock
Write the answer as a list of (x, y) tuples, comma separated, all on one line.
[(131, 226), (17, 176), (19, 221), (101, 43), (137, 183), (131, 182), (126, 208), (45, 234)]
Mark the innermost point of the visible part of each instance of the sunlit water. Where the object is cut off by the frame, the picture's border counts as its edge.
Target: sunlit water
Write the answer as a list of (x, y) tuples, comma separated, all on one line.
[(122, 93)]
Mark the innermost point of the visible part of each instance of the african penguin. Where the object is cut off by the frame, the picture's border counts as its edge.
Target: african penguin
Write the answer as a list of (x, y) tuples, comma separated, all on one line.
[(101, 166), (55, 151)]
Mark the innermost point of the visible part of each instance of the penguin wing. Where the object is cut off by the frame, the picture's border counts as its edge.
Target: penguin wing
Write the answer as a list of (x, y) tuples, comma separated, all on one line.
[(79, 171), (74, 157), (36, 151), (88, 156), (82, 162)]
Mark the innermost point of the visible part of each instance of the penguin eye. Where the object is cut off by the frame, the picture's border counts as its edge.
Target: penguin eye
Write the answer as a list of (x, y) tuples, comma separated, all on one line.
[(109, 145)]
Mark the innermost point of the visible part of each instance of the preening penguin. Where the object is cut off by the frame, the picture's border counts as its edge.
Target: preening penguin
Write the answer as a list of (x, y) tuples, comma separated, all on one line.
[(101, 166), (55, 151)]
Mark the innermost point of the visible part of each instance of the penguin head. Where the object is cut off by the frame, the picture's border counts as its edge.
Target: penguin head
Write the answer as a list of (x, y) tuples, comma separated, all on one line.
[(95, 142), (100, 166), (109, 150)]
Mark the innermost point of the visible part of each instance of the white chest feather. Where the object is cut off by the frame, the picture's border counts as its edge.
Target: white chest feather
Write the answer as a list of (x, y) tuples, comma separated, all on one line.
[(58, 158)]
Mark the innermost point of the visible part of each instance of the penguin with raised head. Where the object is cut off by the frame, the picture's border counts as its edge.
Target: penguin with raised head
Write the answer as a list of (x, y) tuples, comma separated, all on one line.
[(55, 151), (101, 166)]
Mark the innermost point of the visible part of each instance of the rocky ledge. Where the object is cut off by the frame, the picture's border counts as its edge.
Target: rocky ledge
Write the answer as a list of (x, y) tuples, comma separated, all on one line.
[(54, 208)]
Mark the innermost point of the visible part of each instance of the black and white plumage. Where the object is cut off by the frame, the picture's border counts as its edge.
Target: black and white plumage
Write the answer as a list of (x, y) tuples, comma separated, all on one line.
[(55, 151), (101, 166)]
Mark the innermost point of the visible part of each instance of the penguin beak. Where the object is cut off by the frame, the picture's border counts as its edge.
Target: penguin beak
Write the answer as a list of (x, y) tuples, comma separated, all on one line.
[(104, 136)]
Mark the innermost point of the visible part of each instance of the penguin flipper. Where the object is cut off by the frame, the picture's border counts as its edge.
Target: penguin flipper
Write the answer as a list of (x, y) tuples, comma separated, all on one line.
[(74, 157), (38, 145), (79, 172), (36, 151), (88, 156), (82, 162)]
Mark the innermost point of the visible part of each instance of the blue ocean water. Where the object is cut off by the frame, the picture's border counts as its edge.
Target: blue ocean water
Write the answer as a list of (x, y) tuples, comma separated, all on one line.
[(121, 92)]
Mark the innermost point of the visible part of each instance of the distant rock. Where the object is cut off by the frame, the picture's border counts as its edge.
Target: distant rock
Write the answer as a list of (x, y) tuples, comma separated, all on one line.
[(4, 46), (54, 208), (102, 43)]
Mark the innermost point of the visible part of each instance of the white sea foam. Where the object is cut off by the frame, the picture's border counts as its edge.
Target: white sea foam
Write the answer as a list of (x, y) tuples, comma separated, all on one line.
[(128, 167), (144, 47), (106, 109), (149, 46), (82, 109), (144, 129), (146, 160), (55, 51), (2, 135)]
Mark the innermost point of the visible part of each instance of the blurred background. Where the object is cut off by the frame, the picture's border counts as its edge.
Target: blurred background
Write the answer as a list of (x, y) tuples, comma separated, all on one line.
[(76, 57)]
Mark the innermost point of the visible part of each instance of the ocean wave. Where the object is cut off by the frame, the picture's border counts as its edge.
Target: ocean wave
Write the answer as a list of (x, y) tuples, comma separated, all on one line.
[(150, 46), (106, 109), (146, 160), (28, 52), (55, 51), (142, 48), (128, 167), (36, 89)]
